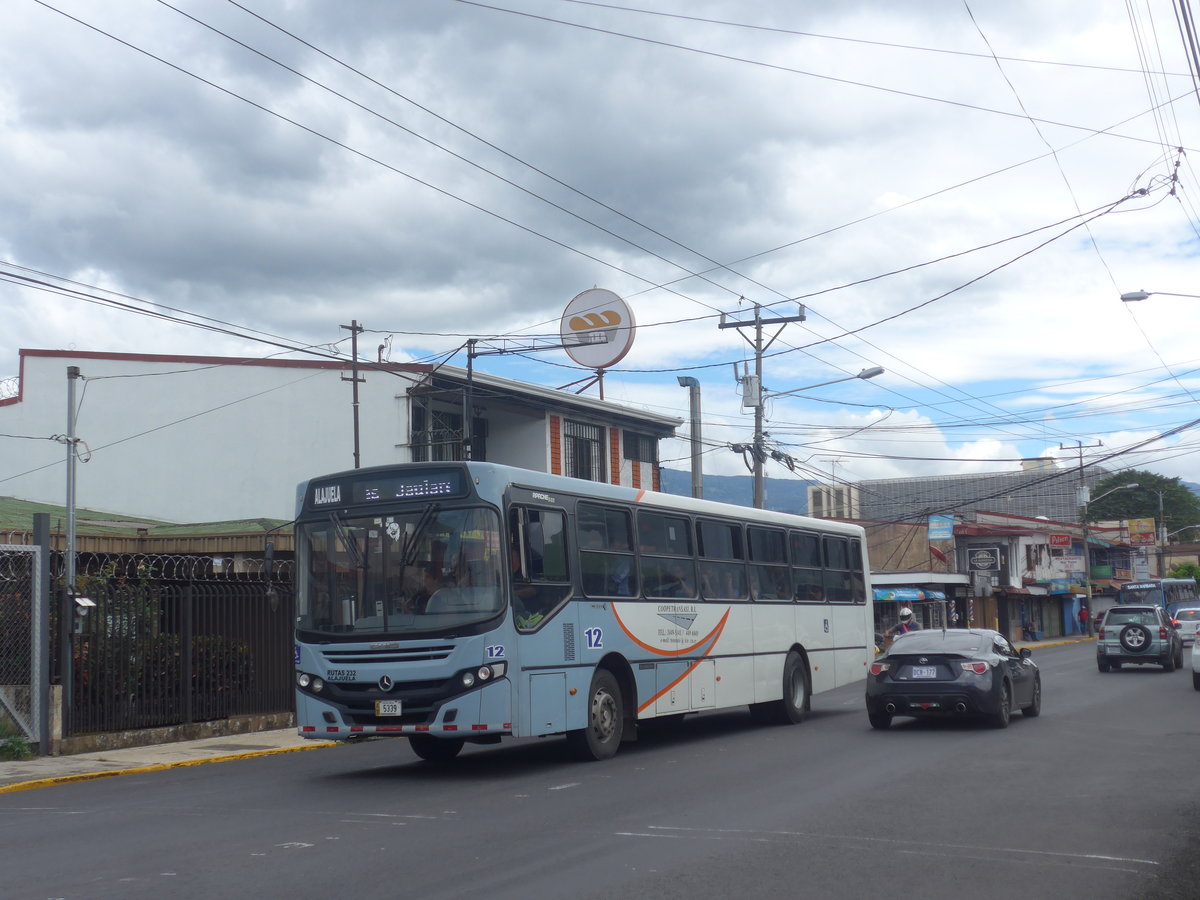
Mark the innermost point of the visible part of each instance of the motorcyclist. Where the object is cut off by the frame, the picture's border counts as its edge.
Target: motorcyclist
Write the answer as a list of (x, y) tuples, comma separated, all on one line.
[(906, 624)]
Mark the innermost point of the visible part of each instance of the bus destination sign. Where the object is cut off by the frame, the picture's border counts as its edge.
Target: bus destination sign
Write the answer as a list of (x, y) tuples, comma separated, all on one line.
[(389, 486)]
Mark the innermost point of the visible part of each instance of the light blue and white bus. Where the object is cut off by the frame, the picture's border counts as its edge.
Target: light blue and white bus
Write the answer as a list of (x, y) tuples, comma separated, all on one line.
[(456, 602), (1171, 594)]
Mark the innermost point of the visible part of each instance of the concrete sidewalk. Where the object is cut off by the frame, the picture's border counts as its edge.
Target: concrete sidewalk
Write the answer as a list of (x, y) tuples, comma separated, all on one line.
[(45, 771)]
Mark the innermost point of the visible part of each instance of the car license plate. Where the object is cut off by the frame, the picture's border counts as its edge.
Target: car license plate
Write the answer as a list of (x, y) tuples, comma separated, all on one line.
[(924, 671), (387, 707)]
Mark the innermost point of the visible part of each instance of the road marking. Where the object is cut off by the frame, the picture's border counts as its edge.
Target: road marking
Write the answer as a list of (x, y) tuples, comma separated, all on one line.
[(899, 843), (563, 787)]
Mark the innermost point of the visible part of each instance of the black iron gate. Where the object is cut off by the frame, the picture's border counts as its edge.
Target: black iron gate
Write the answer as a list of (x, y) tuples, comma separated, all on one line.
[(156, 654)]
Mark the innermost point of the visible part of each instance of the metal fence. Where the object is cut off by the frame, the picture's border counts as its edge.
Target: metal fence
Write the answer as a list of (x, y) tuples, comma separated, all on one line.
[(152, 653), (23, 640)]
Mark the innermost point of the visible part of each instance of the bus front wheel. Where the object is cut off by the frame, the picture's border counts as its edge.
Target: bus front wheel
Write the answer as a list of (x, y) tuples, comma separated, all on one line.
[(433, 749), (606, 720)]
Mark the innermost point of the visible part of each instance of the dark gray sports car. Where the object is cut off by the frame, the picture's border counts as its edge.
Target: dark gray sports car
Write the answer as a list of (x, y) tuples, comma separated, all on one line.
[(953, 672)]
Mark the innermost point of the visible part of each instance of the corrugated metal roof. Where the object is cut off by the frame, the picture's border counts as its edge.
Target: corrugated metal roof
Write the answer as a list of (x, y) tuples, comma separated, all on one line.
[(17, 516)]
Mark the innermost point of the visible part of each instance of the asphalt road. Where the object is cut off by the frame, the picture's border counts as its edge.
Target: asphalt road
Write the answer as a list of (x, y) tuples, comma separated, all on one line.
[(1098, 798)]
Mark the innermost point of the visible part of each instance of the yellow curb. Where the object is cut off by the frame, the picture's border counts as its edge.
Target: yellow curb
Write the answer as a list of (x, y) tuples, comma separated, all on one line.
[(157, 767)]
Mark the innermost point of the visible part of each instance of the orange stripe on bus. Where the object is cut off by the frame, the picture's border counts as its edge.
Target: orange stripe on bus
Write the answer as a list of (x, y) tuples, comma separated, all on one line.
[(657, 651)]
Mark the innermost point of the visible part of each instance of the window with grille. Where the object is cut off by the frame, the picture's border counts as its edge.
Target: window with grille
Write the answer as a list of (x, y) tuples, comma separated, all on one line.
[(641, 447), (437, 435), (583, 450)]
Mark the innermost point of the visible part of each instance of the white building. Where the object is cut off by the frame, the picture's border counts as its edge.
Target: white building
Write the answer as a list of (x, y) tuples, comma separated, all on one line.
[(195, 439)]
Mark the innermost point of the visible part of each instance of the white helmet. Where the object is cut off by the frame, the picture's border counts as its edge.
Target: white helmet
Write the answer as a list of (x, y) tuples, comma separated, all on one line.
[(905, 614)]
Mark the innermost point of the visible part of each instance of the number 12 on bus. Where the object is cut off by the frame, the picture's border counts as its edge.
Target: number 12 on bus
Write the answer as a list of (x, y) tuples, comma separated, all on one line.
[(456, 602)]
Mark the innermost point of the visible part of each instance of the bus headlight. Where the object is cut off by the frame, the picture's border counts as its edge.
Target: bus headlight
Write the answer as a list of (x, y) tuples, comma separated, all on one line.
[(491, 671), (303, 679), (488, 672), (317, 684)]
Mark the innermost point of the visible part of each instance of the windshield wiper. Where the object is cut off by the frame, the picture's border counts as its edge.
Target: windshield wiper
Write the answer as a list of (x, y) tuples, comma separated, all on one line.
[(412, 542), (348, 542)]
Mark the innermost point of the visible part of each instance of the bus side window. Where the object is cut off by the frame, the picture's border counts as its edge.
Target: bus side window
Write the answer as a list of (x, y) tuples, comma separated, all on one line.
[(839, 587), (606, 560), (722, 560), (668, 567), (808, 582), (769, 576)]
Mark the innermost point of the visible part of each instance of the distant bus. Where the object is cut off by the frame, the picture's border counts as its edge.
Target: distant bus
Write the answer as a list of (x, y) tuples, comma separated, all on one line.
[(456, 602), (1170, 593)]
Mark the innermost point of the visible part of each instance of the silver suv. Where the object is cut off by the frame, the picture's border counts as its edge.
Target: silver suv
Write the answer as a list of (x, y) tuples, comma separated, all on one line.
[(1138, 634)]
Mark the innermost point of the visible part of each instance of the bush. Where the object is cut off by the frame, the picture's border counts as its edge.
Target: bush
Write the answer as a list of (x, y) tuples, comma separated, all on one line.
[(13, 744)]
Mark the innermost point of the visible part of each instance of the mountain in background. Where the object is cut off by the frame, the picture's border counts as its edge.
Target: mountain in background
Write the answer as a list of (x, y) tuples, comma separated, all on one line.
[(781, 495)]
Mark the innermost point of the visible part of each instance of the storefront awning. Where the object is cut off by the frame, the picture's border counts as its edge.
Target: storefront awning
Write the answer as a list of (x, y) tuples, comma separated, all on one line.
[(907, 595)]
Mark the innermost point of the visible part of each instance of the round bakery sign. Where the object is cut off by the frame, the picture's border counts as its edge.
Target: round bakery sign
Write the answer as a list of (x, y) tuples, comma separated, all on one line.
[(597, 329)]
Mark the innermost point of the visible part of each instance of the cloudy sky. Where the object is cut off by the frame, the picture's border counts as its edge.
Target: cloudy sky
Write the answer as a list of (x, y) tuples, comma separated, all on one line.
[(956, 192)]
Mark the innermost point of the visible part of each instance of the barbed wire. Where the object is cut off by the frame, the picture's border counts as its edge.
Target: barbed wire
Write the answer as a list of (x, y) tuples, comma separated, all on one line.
[(148, 566)]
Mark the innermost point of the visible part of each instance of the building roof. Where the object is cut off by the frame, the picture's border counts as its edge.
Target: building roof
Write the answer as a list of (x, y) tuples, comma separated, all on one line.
[(115, 533), (1031, 493), (486, 386)]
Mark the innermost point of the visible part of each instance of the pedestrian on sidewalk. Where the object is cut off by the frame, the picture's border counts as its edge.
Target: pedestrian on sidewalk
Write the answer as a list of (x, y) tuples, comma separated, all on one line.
[(1084, 619)]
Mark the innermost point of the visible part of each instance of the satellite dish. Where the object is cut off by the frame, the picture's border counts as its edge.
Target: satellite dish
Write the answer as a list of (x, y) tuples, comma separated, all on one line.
[(597, 328)]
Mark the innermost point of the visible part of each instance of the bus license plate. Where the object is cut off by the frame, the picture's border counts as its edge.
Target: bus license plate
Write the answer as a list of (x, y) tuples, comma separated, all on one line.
[(924, 671), (387, 707)]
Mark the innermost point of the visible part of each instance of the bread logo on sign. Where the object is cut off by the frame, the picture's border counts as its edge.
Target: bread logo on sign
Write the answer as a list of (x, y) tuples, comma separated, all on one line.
[(597, 329)]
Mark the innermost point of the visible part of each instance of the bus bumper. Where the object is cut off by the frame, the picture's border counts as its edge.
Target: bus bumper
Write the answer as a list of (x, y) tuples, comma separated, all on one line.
[(479, 713)]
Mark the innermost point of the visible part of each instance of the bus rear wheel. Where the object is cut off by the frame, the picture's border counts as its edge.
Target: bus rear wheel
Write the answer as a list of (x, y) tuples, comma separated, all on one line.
[(433, 749), (797, 696), (606, 720)]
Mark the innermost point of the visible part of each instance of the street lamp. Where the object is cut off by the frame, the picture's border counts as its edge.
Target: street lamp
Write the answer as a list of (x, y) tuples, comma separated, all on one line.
[(763, 396), (1134, 296), (864, 374), (1087, 552)]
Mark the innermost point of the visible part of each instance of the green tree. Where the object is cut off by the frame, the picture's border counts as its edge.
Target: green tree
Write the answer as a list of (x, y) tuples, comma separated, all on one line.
[(1180, 507), (1184, 570)]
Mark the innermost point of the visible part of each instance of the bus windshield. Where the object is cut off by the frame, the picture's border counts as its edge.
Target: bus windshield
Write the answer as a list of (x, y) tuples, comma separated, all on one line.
[(424, 569), (1141, 595)]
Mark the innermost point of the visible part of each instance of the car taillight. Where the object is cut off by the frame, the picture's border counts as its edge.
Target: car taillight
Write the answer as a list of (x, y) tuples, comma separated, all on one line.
[(878, 668), (979, 668), (1162, 633), (1100, 633)]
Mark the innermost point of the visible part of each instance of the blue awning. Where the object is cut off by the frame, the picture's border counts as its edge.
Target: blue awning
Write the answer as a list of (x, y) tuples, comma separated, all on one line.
[(906, 595)]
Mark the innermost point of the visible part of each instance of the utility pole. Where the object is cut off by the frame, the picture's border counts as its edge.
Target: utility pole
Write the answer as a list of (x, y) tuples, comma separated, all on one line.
[(1083, 496), (1162, 537), (355, 330), (753, 388), (69, 573)]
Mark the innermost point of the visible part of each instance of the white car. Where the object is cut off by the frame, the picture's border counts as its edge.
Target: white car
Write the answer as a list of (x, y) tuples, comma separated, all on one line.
[(1188, 619), (1195, 667)]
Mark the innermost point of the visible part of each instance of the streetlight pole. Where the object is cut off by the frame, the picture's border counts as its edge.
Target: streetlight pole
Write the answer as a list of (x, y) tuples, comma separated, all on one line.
[(1084, 493), (1135, 296), (763, 397)]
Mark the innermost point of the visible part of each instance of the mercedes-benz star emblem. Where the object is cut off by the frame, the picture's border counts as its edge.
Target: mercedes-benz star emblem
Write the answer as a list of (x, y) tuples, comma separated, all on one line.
[(386, 684), (922, 660)]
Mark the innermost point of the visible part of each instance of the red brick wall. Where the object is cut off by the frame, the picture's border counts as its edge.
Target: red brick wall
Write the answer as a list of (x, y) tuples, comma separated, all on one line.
[(614, 455), (556, 467)]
